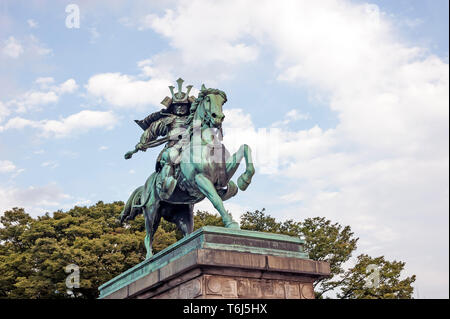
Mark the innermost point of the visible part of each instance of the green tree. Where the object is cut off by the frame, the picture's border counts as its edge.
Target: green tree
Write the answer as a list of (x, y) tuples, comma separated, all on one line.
[(334, 243), (376, 278), (35, 251), (329, 242), (203, 218)]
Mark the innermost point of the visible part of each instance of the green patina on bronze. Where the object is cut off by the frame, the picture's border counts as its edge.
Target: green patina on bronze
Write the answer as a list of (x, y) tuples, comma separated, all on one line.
[(210, 237), (194, 163)]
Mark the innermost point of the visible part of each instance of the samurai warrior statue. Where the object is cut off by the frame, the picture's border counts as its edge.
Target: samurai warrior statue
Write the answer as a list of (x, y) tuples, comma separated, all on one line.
[(170, 124)]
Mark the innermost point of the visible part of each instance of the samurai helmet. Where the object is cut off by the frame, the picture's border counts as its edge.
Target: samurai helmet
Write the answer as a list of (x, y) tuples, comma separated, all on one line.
[(179, 97)]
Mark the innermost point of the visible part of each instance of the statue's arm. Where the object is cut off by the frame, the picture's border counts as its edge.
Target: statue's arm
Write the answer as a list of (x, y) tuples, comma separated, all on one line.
[(158, 128), (146, 137)]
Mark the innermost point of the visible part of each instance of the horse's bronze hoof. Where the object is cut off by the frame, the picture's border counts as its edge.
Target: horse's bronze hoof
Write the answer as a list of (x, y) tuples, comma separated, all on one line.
[(243, 182), (232, 225)]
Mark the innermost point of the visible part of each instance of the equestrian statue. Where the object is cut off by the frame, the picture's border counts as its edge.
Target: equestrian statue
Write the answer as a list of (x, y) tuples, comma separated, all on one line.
[(193, 164)]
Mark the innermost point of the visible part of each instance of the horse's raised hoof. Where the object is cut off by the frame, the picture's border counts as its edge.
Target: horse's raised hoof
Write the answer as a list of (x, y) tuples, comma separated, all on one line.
[(232, 225), (243, 182), (230, 191)]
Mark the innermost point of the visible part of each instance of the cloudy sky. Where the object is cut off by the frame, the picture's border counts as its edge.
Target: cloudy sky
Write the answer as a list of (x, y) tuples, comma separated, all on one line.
[(345, 104)]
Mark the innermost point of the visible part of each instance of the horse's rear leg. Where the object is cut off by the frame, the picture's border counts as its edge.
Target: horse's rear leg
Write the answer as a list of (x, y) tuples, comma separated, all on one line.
[(208, 189), (233, 163), (185, 220), (152, 219), (181, 215)]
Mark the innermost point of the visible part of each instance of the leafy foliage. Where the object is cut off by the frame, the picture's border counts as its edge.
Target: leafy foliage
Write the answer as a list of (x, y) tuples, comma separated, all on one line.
[(383, 281), (335, 244), (35, 251)]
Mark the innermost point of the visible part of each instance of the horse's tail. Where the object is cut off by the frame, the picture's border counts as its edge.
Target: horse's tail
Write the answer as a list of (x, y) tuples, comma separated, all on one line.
[(147, 191), (138, 199), (127, 212)]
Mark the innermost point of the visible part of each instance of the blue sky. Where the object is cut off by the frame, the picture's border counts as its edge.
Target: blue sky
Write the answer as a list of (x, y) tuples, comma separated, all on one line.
[(345, 104)]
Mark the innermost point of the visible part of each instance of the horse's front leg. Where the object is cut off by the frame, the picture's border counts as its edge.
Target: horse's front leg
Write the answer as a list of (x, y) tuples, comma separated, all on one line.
[(233, 162), (208, 189)]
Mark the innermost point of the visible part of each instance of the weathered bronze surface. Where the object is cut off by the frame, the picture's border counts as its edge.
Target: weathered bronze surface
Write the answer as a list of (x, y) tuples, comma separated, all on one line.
[(194, 163)]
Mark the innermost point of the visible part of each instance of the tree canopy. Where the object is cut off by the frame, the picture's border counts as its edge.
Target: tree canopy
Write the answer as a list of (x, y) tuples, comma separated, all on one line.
[(34, 252), (334, 243)]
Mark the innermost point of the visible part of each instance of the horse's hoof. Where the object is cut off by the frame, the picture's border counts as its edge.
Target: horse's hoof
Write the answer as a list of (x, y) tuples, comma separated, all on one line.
[(149, 255), (230, 191), (232, 225), (243, 182)]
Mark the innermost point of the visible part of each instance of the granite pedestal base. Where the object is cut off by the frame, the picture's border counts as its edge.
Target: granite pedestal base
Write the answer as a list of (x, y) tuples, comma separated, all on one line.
[(216, 262)]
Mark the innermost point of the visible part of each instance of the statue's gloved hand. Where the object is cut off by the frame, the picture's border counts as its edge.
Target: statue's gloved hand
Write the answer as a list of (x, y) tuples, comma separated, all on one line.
[(140, 146), (129, 154)]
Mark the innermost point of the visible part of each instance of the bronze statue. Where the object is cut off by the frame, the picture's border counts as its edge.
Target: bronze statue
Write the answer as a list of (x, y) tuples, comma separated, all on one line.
[(194, 163)]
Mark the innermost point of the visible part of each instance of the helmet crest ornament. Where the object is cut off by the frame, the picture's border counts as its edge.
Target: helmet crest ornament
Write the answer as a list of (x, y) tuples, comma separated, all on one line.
[(179, 97)]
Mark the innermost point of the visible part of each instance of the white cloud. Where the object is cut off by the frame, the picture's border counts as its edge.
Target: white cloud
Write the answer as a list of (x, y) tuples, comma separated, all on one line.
[(238, 129), (68, 86), (37, 47), (44, 82), (34, 99), (7, 166), (387, 197), (32, 24), (78, 202), (35, 199), (291, 116), (294, 115), (94, 34), (4, 111), (50, 164), (232, 206), (103, 148), (124, 91), (22, 50), (29, 47), (79, 122), (126, 22), (223, 43), (12, 48), (411, 22), (70, 126)]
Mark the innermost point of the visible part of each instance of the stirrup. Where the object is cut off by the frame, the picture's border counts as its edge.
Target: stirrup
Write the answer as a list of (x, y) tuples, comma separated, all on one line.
[(167, 191)]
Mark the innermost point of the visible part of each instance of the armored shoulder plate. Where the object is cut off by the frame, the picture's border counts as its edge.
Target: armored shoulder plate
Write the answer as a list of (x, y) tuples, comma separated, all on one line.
[(145, 123)]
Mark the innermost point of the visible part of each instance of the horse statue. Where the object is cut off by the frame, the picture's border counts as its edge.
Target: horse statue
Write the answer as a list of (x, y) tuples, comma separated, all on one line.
[(204, 169)]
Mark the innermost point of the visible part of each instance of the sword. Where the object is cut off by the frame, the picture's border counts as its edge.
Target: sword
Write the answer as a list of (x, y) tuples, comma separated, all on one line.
[(154, 143)]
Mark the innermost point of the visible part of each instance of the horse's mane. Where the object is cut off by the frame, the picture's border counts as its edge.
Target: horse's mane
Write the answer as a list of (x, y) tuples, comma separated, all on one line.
[(199, 100)]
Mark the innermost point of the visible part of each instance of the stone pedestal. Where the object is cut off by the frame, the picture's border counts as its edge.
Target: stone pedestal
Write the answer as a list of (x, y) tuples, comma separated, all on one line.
[(216, 262)]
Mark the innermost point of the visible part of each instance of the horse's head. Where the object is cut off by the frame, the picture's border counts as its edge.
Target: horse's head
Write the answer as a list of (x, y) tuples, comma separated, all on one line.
[(208, 106), (213, 109)]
